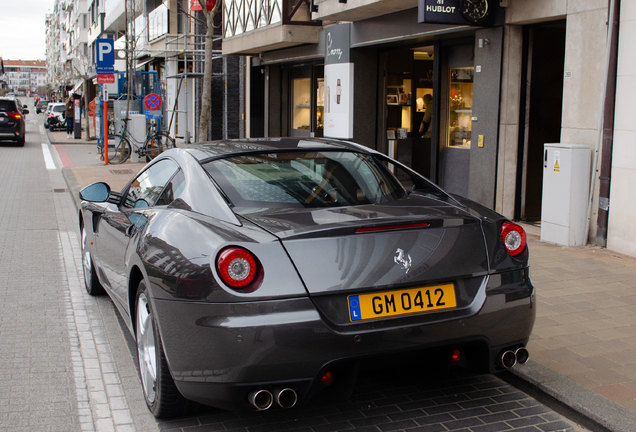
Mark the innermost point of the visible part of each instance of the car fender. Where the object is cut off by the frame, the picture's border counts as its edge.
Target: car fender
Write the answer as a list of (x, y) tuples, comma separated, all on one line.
[(178, 251)]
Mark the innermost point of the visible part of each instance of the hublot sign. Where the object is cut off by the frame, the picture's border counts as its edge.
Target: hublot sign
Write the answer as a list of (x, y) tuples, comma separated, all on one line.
[(466, 12)]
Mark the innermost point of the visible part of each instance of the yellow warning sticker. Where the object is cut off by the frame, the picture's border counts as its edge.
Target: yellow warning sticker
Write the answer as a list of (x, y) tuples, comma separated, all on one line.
[(556, 166)]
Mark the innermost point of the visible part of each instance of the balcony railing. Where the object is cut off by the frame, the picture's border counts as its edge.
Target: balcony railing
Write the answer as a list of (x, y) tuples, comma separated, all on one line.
[(158, 22), (241, 16)]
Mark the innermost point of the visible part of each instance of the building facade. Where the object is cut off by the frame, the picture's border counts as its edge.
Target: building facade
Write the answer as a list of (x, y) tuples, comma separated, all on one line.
[(25, 76), (499, 83)]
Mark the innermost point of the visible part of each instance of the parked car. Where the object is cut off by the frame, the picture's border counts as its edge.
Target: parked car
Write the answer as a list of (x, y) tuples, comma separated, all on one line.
[(41, 106), (55, 110), (12, 123), (259, 273)]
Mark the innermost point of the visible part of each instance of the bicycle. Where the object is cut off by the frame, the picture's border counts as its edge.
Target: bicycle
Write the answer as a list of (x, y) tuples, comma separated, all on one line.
[(119, 148)]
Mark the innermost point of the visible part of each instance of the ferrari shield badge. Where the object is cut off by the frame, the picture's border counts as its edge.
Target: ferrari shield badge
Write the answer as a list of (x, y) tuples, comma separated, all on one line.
[(403, 259)]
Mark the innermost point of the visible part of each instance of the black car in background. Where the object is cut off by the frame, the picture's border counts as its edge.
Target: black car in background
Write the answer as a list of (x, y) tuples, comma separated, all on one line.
[(12, 124), (40, 107)]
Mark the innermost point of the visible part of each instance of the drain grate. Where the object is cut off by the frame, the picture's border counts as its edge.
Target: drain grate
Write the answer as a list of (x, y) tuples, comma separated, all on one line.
[(123, 171), (60, 190)]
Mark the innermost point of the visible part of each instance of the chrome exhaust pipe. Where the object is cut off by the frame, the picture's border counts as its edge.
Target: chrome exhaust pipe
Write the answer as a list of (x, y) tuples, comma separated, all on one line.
[(508, 359), (261, 399), (285, 398), (522, 355)]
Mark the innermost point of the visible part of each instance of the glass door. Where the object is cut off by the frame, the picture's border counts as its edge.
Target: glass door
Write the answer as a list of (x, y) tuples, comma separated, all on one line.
[(307, 95), (301, 102)]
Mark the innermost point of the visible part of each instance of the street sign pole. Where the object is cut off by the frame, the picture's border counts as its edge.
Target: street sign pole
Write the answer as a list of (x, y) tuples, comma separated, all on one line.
[(105, 124), (105, 67)]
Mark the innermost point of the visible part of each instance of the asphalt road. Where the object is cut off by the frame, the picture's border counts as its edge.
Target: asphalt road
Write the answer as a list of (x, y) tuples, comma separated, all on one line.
[(68, 364)]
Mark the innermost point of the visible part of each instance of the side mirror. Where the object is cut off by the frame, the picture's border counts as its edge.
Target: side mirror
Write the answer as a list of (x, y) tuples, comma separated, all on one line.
[(25, 111), (97, 192)]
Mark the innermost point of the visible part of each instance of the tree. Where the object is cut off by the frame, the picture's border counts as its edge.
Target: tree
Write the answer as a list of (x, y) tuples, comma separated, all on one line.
[(209, 11)]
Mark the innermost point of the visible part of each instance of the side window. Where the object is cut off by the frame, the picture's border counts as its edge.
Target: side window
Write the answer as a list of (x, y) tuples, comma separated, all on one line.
[(147, 187), (173, 189)]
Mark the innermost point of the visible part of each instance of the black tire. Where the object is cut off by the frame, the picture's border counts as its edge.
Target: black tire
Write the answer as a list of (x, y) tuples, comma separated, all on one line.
[(157, 144), (161, 394), (20, 142), (93, 287), (119, 149)]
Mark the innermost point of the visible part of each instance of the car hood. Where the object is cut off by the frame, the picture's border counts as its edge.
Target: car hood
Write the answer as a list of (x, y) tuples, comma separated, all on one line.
[(411, 241)]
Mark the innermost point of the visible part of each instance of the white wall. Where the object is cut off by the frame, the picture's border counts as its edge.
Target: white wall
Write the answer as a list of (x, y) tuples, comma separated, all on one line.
[(621, 228)]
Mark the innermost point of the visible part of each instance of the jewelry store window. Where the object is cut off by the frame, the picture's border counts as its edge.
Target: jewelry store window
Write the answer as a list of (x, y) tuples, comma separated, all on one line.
[(460, 107), (307, 101)]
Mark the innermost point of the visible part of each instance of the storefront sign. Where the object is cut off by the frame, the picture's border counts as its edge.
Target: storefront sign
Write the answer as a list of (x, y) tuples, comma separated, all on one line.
[(338, 83), (466, 12)]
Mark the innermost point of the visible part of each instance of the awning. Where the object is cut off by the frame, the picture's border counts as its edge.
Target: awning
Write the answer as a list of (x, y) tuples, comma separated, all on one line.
[(151, 59), (77, 86)]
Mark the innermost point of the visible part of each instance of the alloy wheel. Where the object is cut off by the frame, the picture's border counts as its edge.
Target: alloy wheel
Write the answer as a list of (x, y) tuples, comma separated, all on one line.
[(146, 348)]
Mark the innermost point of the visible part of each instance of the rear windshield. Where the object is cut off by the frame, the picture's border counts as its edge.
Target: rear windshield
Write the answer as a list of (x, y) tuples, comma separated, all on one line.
[(6, 105), (42, 103), (59, 108), (307, 179)]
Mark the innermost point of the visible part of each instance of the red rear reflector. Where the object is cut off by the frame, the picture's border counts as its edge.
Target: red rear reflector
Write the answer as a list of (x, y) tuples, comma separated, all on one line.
[(456, 356), (514, 238), (392, 227), (327, 378)]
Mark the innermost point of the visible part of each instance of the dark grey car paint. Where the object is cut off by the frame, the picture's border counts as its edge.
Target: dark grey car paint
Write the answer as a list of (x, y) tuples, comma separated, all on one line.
[(221, 344)]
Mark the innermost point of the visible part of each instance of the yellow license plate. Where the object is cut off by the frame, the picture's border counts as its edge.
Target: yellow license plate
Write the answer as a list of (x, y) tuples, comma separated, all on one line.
[(401, 302)]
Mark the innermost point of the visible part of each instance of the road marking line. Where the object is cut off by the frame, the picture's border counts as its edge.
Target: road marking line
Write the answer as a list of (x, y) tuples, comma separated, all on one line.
[(48, 159)]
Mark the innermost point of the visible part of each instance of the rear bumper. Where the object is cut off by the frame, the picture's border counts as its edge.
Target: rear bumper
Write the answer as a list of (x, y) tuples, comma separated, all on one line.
[(10, 135), (218, 353)]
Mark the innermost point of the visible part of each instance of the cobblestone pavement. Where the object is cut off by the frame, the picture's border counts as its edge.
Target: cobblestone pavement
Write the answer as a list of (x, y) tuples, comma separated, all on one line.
[(68, 364)]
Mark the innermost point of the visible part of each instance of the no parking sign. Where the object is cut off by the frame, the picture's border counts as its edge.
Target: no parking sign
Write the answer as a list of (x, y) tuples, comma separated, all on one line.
[(152, 102)]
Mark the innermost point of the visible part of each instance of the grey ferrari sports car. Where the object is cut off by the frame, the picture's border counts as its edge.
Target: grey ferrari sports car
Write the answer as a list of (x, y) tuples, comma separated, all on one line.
[(259, 273)]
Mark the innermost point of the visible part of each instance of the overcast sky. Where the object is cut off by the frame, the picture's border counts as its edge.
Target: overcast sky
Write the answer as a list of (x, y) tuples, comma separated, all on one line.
[(22, 29)]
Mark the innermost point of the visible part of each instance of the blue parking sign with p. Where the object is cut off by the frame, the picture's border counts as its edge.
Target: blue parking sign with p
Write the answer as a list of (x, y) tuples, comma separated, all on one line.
[(105, 55)]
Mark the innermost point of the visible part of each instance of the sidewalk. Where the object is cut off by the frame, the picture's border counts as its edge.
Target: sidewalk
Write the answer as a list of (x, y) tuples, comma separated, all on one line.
[(583, 348), (60, 137), (585, 330)]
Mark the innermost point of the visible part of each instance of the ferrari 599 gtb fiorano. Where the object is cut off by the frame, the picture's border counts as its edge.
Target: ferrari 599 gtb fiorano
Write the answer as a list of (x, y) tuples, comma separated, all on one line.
[(259, 273)]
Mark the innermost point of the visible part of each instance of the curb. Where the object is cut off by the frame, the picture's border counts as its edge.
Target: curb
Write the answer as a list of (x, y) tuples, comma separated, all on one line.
[(571, 399)]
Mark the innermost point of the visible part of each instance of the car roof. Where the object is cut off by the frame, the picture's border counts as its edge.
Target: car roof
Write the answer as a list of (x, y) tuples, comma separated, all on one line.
[(217, 149)]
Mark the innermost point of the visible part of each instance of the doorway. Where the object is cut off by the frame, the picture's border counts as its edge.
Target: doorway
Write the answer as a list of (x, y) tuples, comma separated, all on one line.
[(541, 111), (407, 108)]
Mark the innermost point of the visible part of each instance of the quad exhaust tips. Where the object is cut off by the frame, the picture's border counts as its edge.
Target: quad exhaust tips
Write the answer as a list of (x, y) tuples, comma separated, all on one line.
[(510, 358), (264, 399)]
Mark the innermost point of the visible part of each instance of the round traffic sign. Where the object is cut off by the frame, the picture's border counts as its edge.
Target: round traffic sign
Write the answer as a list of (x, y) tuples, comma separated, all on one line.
[(152, 101)]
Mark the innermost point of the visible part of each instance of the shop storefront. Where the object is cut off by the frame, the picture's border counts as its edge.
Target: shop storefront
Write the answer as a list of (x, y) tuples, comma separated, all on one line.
[(408, 91)]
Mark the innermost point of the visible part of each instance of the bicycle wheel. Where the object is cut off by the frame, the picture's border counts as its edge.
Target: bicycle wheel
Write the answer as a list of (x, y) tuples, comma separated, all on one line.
[(156, 144), (119, 149)]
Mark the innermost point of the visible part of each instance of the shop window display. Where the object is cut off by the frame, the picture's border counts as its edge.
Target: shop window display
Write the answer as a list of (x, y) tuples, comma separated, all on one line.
[(301, 103), (460, 107)]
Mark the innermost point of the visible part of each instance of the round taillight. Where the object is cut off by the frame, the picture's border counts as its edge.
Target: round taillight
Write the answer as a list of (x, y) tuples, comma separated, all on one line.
[(237, 267), (514, 238)]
